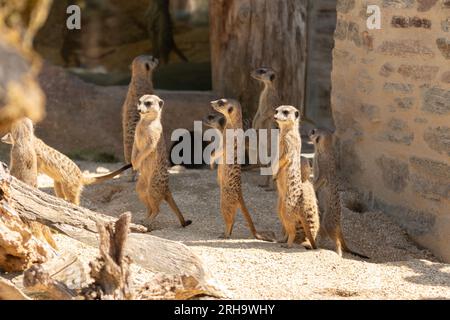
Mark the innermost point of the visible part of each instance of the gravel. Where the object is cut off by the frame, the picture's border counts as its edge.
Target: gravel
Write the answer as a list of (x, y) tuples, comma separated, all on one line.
[(252, 269)]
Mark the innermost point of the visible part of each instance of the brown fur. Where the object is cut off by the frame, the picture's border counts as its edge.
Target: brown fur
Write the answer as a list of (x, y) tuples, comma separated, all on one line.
[(229, 175), (296, 203), (325, 179), (269, 100), (216, 121), (68, 178), (23, 160), (150, 160), (141, 84)]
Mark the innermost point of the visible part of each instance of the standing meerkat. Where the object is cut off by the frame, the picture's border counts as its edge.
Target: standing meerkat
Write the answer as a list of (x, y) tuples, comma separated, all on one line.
[(23, 160), (269, 100), (216, 121), (229, 175), (141, 83), (150, 160), (295, 203), (67, 176), (325, 179)]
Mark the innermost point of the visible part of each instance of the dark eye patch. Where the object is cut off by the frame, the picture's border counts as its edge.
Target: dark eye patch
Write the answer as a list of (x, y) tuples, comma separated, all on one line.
[(285, 113), (221, 103), (147, 103)]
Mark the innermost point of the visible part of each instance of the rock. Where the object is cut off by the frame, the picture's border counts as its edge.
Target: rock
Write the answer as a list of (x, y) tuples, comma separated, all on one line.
[(438, 139), (72, 103), (395, 173)]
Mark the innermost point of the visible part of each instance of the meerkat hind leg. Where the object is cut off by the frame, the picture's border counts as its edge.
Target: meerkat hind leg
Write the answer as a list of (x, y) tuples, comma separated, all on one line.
[(176, 210), (229, 213), (59, 192), (72, 194)]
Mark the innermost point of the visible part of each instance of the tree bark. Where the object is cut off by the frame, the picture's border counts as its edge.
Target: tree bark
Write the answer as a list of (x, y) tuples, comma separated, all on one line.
[(247, 34)]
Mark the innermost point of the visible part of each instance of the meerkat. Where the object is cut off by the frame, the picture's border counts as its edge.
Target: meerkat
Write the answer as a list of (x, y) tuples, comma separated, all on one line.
[(325, 180), (23, 160), (150, 160), (268, 101), (67, 176), (295, 204), (141, 84), (229, 175), (216, 121)]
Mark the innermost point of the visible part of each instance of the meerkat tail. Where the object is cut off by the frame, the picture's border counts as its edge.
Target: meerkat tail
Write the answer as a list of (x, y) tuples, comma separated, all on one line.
[(250, 224), (95, 180)]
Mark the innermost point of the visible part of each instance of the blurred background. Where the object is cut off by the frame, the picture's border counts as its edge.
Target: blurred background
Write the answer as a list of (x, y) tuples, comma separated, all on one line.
[(115, 31)]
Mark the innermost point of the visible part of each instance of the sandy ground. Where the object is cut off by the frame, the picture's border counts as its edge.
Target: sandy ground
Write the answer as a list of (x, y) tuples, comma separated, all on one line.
[(252, 269)]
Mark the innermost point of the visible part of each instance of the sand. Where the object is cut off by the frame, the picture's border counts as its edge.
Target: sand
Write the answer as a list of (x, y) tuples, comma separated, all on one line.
[(252, 269)]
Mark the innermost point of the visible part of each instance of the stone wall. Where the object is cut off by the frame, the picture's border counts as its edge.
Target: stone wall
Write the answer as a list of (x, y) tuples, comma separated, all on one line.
[(391, 107)]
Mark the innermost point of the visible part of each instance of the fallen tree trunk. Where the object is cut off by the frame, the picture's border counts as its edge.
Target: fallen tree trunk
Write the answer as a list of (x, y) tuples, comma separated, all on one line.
[(35, 205), (8, 291), (19, 248), (152, 253)]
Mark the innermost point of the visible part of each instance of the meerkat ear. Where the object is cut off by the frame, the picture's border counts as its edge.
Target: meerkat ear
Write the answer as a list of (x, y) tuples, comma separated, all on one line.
[(161, 103), (147, 67), (272, 77), (297, 114)]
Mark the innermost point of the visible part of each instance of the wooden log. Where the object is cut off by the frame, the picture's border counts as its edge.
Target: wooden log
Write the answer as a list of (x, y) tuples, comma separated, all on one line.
[(35, 205), (8, 291), (152, 253), (19, 248), (247, 34), (111, 271)]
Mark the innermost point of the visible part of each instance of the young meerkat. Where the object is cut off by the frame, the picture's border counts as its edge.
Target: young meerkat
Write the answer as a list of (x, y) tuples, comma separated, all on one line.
[(141, 83), (216, 121), (229, 175), (67, 176), (295, 204), (150, 160), (23, 160), (325, 180), (268, 101)]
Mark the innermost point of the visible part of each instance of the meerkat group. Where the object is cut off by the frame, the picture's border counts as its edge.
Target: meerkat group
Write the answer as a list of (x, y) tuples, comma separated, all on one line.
[(145, 152)]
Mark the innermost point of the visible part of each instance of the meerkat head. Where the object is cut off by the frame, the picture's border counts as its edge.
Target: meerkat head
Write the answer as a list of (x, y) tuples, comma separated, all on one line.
[(264, 74), (215, 120), (21, 129), (321, 138), (150, 106), (144, 65), (8, 139), (287, 116), (228, 107)]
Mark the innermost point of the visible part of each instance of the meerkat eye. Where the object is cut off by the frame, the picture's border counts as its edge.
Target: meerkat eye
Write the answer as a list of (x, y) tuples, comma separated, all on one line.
[(261, 71), (221, 103)]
